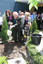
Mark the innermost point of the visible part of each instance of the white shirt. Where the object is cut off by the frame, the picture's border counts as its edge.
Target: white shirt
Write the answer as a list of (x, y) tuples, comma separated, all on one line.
[(42, 18), (1, 20)]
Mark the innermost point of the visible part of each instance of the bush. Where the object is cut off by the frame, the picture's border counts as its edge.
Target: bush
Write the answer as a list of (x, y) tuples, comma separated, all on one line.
[(3, 60), (4, 29), (33, 52), (33, 26)]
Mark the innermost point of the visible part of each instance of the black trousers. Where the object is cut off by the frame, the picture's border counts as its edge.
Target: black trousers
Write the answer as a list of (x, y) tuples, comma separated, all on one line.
[(42, 22), (0, 28), (17, 34)]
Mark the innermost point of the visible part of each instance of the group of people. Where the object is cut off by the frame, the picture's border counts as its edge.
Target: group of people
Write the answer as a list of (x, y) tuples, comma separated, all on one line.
[(21, 22), (39, 19)]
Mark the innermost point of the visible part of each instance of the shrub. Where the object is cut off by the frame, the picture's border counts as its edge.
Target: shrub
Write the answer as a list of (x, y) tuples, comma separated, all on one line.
[(3, 60), (33, 26), (33, 52), (4, 29)]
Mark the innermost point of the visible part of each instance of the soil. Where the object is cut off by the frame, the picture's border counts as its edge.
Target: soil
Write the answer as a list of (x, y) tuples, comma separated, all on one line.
[(14, 50)]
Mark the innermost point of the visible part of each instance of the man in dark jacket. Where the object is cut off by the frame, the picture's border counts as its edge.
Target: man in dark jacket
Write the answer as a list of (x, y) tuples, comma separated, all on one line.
[(17, 28)]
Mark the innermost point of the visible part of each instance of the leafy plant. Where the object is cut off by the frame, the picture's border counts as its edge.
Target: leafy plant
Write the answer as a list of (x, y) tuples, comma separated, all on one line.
[(4, 29), (33, 3), (3, 60), (33, 26), (0, 34)]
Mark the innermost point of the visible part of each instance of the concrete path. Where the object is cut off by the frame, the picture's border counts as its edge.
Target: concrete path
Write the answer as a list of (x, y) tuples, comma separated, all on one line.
[(40, 46)]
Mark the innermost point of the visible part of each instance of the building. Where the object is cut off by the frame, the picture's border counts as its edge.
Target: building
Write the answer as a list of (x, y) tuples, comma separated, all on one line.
[(16, 6)]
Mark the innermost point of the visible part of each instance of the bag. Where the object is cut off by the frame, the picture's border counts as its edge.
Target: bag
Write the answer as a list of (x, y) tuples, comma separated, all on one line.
[(9, 32)]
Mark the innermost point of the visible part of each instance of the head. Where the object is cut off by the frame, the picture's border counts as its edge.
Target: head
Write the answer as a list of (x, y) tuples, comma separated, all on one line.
[(7, 12), (15, 14), (12, 13), (33, 13), (38, 14), (27, 14), (19, 12)]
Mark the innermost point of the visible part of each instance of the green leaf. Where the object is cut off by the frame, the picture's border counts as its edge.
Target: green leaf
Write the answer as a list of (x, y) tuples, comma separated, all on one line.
[(36, 7), (30, 6), (33, 4)]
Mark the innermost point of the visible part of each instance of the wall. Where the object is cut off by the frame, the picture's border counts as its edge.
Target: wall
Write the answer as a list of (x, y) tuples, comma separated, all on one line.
[(12, 6), (21, 6)]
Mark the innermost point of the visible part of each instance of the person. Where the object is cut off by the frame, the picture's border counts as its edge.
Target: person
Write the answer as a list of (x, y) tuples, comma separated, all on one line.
[(17, 28), (19, 12), (27, 18), (38, 19), (26, 26), (1, 21), (42, 18), (31, 15), (8, 16)]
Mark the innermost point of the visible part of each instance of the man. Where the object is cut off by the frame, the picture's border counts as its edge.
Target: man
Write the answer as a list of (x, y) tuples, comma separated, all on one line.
[(17, 27)]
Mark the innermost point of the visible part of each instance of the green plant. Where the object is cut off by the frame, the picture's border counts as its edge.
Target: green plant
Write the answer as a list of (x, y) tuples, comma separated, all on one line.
[(0, 34), (33, 52), (3, 60), (4, 29), (33, 3), (33, 26)]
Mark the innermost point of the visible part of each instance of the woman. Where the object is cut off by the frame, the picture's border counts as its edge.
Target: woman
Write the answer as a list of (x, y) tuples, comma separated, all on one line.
[(8, 16), (38, 18), (26, 26), (27, 19)]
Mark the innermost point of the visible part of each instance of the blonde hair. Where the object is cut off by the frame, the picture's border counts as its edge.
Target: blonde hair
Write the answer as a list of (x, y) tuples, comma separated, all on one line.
[(27, 14)]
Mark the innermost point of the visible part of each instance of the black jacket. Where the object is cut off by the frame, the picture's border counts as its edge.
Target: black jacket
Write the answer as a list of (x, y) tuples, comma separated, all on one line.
[(18, 21)]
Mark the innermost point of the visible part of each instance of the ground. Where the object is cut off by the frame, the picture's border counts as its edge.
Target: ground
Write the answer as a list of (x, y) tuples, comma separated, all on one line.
[(12, 51)]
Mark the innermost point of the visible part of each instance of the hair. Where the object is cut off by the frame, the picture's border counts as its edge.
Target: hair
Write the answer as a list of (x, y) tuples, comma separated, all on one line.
[(7, 11), (27, 14), (15, 13)]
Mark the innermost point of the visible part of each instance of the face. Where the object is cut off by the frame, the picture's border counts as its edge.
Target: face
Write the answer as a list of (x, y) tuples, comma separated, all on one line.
[(7, 13), (38, 14), (26, 17), (15, 16)]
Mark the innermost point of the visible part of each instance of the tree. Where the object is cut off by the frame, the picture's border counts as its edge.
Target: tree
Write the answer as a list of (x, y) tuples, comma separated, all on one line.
[(4, 29), (33, 26)]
